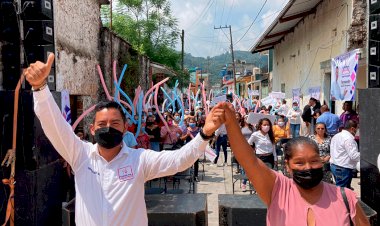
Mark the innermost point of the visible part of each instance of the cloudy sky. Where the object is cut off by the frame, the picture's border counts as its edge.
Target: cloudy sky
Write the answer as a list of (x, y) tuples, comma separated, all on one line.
[(198, 18)]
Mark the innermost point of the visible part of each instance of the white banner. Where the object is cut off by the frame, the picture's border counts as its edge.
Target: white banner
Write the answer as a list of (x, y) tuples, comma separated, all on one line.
[(296, 95), (254, 118), (315, 92), (277, 95), (65, 105), (343, 76)]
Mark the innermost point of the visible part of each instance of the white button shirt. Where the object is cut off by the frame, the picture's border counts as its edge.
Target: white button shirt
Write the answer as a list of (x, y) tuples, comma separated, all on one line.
[(110, 193), (263, 144), (344, 150)]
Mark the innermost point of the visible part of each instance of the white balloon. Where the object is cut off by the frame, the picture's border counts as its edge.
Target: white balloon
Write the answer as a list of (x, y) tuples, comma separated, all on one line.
[(378, 162)]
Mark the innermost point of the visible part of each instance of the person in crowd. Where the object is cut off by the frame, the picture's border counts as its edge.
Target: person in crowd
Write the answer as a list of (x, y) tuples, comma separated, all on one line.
[(109, 176), (153, 132), (269, 110), (331, 120), (192, 132), (348, 114), (221, 142), (247, 131), (316, 114), (344, 154), (323, 141), (307, 114), (302, 199), (177, 118), (284, 109), (294, 115), (143, 140), (129, 139), (263, 139), (170, 137), (281, 130)]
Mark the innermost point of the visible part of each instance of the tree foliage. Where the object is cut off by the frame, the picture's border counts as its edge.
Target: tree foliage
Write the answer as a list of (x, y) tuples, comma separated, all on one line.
[(150, 27)]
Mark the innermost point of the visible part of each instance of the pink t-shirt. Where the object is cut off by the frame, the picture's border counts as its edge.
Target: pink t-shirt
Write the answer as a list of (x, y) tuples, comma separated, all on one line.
[(289, 208)]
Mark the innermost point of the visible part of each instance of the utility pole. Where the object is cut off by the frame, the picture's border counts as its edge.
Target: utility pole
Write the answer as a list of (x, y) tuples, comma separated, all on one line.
[(232, 54), (183, 45)]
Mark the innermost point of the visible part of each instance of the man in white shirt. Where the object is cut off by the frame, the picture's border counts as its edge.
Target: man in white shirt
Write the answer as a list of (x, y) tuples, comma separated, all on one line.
[(344, 154), (109, 176)]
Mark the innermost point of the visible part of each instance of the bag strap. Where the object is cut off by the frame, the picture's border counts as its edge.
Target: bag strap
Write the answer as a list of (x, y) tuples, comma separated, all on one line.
[(346, 203)]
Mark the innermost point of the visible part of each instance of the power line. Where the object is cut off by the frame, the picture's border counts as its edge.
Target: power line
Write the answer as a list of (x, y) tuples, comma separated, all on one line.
[(253, 21)]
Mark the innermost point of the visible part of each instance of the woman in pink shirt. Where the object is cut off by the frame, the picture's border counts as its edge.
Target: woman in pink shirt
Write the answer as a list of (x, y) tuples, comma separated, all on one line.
[(303, 199), (174, 134)]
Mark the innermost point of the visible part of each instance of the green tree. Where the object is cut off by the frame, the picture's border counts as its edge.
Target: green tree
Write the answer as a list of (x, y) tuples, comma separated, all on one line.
[(151, 29)]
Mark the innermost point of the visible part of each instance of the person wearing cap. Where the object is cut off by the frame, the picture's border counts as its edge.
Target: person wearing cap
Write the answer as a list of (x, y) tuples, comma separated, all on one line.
[(294, 116)]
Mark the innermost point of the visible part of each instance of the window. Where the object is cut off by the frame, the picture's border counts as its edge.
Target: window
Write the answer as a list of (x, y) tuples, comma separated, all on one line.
[(283, 87)]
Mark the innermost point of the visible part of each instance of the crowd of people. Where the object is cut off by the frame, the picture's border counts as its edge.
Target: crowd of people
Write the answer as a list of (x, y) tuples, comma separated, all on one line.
[(110, 175)]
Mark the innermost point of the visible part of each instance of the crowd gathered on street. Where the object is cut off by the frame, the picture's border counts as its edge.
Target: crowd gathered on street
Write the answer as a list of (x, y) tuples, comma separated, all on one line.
[(314, 185)]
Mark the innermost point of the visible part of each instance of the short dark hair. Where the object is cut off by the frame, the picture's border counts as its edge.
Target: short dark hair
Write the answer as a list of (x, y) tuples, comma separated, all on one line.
[(350, 124), (110, 104), (292, 143), (313, 99)]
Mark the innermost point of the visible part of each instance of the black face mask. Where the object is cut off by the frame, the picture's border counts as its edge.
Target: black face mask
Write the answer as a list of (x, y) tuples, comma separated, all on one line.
[(308, 179), (149, 123), (108, 137)]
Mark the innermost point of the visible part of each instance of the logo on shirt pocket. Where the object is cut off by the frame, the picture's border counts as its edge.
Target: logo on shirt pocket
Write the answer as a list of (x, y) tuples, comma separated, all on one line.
[(125, 173)]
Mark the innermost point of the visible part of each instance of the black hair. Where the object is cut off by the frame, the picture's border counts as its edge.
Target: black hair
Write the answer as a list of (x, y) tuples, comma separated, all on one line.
[(350, 124), (294, 142), (110, 104), (270, 132)]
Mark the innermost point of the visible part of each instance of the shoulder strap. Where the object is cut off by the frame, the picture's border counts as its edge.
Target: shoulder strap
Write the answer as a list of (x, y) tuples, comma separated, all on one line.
[(346, 203)]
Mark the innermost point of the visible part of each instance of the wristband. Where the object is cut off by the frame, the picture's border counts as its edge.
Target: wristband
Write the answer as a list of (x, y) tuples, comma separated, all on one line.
[(205, 137), (39, 89)]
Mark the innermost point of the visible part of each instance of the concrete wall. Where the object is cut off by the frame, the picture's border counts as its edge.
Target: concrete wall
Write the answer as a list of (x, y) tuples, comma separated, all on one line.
[(316, 39), (77, 26)]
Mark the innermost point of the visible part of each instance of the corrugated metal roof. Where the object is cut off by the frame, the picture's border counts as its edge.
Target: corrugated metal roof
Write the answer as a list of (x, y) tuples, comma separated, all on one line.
[(287, 19)]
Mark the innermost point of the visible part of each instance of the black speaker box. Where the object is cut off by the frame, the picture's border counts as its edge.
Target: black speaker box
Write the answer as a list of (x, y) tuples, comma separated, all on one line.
[(369, 103), (373, 76), (38, 10), (373, 52), (374, 6), (370, 189), (183, 209), (38, 53), (38, 32), (374, 27), (241, 210), (8, 22), (38, 168)]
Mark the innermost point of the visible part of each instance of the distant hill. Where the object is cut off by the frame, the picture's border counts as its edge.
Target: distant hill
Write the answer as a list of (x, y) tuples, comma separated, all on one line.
[(214, 64)]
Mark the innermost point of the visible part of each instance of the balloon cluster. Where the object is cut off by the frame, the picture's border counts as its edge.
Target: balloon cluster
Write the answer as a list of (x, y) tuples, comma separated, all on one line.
[(142, 102)]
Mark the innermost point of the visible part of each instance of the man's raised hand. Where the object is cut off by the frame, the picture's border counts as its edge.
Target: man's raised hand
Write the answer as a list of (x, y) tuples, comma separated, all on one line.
[(37, 72)]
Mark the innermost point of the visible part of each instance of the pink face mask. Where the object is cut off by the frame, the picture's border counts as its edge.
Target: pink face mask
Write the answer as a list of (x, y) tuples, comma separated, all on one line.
[(170, 123), (265, 129)]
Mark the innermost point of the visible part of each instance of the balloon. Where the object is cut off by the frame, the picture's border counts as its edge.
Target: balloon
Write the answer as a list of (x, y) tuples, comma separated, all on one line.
[(204, 98), (189, 97), (167, 96), (163, 106), (129, 100), (151, 89), (139, 111), (117, 94), (82, 116), (158, 111), (103, 83)]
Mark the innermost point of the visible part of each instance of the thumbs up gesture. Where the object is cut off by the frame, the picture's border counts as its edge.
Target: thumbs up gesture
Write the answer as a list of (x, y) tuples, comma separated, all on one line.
[(37, 72)]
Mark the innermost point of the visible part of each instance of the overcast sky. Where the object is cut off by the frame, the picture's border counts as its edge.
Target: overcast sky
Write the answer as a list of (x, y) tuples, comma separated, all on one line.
[(198, 18)]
